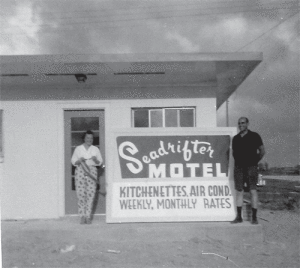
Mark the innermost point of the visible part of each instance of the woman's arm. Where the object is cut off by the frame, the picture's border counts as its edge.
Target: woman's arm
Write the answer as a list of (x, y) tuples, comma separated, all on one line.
[(98, 158), (76, 159)]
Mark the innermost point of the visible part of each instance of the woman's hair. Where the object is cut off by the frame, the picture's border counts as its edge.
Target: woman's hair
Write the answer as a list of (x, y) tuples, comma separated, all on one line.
[(88, 132)]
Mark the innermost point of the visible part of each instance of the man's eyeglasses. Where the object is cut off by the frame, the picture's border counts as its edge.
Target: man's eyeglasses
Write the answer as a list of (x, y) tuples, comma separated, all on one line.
[(242, 123)]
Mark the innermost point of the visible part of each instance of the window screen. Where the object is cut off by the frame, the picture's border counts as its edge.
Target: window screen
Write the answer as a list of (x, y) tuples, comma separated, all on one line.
[(141, 118), (163, 117), (156, 118)]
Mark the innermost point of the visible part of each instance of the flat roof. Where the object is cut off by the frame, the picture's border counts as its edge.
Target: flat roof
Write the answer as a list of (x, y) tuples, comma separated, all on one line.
[(224, 70)]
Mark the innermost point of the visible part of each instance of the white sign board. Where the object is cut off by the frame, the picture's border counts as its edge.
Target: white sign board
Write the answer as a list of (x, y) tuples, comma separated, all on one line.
[(179, 177)]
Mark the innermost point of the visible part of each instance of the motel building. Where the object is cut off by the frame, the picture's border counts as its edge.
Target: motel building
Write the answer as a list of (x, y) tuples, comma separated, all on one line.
[(154, 118)]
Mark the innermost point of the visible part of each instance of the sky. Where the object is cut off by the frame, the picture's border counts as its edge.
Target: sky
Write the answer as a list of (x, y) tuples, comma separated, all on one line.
[(269, 96)]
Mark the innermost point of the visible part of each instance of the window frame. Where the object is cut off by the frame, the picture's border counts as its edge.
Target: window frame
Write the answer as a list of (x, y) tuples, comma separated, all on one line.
[(163, 109), (1, 137)]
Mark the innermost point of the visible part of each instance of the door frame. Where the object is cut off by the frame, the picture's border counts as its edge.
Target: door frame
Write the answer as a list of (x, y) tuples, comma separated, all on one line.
[(76, 105), (70, 195)]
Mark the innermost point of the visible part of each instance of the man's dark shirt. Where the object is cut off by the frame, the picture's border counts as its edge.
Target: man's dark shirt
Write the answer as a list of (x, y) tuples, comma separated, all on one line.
[(245, 149)]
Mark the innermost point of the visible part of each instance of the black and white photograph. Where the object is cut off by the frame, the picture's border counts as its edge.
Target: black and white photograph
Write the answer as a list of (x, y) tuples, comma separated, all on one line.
[(150, 133)]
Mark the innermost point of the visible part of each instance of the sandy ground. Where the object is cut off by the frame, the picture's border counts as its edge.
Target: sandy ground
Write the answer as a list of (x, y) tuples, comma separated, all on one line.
[(65, 243)]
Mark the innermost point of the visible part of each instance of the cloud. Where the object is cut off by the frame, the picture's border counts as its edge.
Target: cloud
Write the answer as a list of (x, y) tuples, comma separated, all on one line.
[(282, 149), (215, 34), (25, 20), (234, 26), (270, 94), (20, 31), (288, 34), (184, 43)]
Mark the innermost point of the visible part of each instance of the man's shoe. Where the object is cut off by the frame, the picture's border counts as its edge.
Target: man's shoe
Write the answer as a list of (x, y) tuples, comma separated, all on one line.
[(254, 221), (82, 220), (237, 220), (88, 221)]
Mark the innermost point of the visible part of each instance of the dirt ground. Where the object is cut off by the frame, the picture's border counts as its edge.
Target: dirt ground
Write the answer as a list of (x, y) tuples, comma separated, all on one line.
[(65, 243)]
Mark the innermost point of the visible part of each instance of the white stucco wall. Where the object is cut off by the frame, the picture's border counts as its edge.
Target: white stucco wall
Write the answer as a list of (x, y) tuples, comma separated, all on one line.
[(33, 167), (29, 184)]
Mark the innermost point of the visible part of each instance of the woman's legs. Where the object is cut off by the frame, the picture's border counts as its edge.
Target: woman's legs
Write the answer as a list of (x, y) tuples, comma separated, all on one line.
[(80, 191), (91, 187)]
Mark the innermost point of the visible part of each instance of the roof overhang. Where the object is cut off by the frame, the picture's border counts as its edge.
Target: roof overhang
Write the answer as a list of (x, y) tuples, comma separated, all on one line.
[(226, 71)]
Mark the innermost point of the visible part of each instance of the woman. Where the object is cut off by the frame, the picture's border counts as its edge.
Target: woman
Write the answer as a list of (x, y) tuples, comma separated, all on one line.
[(86, 157)]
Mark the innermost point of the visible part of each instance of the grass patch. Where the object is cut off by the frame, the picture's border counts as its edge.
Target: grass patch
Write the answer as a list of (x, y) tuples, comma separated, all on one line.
[(279, 195)]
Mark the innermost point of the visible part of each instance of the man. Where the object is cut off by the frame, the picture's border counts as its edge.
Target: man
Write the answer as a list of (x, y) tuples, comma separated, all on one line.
[(248, 150)]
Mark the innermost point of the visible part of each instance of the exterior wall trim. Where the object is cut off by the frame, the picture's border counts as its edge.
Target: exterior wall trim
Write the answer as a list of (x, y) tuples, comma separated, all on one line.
[(62, 107)]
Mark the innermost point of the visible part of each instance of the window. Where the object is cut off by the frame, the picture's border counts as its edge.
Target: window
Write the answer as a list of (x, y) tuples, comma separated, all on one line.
[(79, 125), (163, 117)]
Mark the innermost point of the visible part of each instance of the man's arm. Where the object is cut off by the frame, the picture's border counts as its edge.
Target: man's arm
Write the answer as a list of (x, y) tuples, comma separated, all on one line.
[(261, 152), (233, 148)]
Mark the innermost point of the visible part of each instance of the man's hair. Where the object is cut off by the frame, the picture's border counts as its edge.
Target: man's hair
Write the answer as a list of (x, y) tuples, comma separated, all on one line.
[(243, 117)]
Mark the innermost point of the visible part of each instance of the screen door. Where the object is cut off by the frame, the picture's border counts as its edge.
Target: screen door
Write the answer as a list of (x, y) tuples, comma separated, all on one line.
[(76, 124)]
